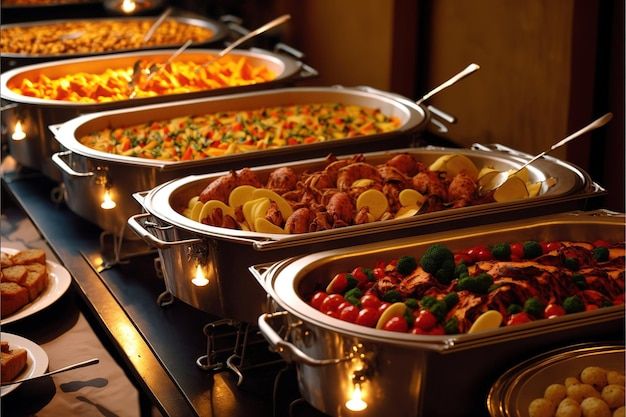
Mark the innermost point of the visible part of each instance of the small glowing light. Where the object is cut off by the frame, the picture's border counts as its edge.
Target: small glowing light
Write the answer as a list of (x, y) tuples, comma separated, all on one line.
[(107, 201), (199, 280), (356, 403), (18, 132), (128, 6)]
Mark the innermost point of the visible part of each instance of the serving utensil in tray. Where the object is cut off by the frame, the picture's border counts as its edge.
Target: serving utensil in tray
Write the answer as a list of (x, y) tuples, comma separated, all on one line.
[(224, 254), (418, 374)]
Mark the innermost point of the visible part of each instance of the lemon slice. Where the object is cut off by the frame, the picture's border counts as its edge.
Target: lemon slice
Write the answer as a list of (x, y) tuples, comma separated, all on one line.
[(410, 197), (394, 310), (486, 179), (489, 320), (408, 211), (283, 205), (248, 206), (211, 205), (513, 189), (461, 164), (485, 170), (192, 201), (522, 173), (533, 189), (375, 201), (259, 209), (440, 163), (195, 211), (240, 195), (362, 183), (261, 224), (187, 213)]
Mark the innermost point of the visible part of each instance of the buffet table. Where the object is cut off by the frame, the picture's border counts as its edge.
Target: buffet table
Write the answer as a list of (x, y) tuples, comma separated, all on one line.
[(157, 346)]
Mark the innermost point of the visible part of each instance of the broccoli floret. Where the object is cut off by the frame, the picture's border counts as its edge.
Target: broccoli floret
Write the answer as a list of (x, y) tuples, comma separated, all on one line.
[(451, 326), (513, 309), (600, 254), (534, 307), (571, 264), (451, 299), (392, 296), (353, 296), (460, 270), (573, 304), (439, 310), (479, 284), (580, 281), (439, 261), (406, 265), (411, 303), (501, 251), (427, 301), (532, 249)]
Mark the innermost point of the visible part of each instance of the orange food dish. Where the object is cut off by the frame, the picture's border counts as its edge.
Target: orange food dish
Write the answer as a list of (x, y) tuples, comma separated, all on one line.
[(176, 78)]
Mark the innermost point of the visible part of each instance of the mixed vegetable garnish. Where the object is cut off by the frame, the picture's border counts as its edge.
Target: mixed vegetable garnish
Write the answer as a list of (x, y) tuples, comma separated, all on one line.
[(481, 288)]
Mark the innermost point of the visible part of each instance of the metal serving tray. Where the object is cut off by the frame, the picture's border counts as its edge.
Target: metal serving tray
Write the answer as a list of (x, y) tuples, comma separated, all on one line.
[(413, 374)]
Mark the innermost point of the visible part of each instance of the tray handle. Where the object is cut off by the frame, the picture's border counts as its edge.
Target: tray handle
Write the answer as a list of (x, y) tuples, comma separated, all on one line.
[(289, 351), (306, 71), (55, 128), (57, 158), (150, 239), (259, 272)]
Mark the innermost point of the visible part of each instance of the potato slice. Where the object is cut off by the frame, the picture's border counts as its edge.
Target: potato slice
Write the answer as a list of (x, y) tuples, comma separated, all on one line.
[(192, 201), (410, 197), (440, 163), (283, 205), (534, 188), (260, 208), (522, 173), (513, 189), (489, 320), (461, 163), (407, 211), (240, 195), (261, 224), (486, 170), (211, 205), (375, 201), (486, 179), (394, 310), (195, 211), (362, 183), (248, 206)]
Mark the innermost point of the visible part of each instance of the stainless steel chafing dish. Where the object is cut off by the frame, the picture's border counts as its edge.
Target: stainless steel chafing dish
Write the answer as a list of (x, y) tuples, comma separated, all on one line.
[(417, 374), (12, 59), (35, 115), (87, 173), (226, 253)]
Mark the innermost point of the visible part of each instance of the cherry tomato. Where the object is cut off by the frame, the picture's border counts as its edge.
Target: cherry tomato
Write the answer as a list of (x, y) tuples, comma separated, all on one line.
[(331, 303), (602, 243), (473, 252), (553, 310), (517, 250), (518, 318), (360, 275), (318, 297), (367, 317), (382, 307), (463, 257), (425, 320), (437, 331), (333, 314), (550, 246), (379, 273), (591, 307), (417, 330), (484, 254), (349, 313), (396, 324), (338, 284), (370, 300), (343, 305)]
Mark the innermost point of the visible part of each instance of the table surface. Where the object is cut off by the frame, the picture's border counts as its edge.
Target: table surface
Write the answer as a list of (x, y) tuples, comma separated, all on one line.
[(157, 346)]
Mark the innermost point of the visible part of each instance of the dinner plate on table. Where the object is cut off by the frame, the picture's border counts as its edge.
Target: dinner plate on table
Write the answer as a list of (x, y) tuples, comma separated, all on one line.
[(59, 281), (36, 359)]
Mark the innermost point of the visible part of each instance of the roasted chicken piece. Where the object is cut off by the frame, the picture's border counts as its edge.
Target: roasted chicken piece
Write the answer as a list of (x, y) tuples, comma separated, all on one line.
[(221, 188), (282, 180)]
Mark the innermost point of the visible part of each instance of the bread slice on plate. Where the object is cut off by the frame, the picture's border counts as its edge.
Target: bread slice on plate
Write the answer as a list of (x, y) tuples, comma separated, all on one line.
[(29, 256), (15, 273), (13, 297), (36, 280), (12, 362)]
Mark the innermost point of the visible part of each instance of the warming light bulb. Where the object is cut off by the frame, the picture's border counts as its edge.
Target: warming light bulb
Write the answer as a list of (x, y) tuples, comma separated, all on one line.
[(18, 132), (356, 403), (128, 6), (107, 201), (199, 280)]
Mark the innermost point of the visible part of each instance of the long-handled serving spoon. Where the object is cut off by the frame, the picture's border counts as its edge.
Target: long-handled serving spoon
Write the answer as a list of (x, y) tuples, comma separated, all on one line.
[(83, 364)]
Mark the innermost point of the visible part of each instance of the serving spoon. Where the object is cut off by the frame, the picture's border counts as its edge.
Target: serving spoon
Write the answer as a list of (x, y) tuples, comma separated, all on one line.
[(83, 364), (156, 25), (471, 68), (500, 178)]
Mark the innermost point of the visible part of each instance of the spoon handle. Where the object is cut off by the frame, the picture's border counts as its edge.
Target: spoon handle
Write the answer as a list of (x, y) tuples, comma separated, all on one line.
[(156, 25), (278, 21), (83, 364), (599, 122), (467, 71)]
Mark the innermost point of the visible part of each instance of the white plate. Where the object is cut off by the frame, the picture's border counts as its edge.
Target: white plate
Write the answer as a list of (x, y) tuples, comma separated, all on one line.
[(36, 361), (59, 281)]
